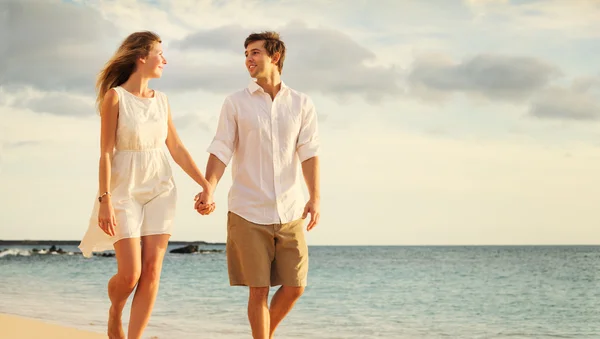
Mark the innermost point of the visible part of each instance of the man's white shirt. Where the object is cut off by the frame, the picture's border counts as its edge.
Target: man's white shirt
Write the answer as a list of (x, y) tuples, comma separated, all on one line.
[(266, 141)]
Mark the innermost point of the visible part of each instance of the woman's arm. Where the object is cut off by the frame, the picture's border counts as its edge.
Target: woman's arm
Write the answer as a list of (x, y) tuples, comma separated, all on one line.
[(183, 158), (109, 112)]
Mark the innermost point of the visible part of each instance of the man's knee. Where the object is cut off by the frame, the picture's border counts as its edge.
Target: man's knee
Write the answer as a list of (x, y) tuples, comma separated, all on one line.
[(293, 292), (259, 293)]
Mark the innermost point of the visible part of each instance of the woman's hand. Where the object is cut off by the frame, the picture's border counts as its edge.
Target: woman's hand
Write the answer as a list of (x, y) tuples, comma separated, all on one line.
[(106, 217), (204, 202)]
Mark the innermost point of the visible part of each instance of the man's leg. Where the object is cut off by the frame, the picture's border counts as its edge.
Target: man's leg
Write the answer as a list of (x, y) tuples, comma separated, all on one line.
[(250, 251), (281, 304), (290, 269), (258, 312)]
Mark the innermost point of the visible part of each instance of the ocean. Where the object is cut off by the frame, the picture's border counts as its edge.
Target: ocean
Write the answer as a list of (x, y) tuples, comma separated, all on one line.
[(410, 292)]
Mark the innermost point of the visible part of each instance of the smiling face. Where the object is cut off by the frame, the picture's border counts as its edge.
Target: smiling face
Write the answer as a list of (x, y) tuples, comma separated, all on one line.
[(153, 64), (258, 62)]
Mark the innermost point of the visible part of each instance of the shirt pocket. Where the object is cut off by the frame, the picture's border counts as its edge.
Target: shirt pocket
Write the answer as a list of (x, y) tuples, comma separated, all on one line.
[(289, 124), (250, 123)]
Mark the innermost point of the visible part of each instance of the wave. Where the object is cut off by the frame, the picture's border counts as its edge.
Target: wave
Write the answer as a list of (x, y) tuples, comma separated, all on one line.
[(15, 252), (53, 250), (18, 252)]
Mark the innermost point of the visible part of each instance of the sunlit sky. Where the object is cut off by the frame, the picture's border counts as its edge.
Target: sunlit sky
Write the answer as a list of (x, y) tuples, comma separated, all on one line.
[(441, 122)]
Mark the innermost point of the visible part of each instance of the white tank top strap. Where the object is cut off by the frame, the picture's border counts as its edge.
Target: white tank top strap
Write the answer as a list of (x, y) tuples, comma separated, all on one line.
[(162, 101), (119, 91)]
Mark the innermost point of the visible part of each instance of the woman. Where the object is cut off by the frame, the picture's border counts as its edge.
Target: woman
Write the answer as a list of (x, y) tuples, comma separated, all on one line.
[(135, 206)]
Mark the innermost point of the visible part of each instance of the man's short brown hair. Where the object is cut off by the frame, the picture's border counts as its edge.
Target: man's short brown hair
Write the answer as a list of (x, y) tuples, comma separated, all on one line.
[(273, 44)]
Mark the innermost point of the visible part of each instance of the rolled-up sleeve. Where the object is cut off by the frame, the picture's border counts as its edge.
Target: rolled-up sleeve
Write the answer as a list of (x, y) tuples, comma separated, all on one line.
[(308, 140), (225, 140)]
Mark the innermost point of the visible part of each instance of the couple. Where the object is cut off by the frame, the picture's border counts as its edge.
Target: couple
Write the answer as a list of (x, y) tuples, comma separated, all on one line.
[(268, 131)]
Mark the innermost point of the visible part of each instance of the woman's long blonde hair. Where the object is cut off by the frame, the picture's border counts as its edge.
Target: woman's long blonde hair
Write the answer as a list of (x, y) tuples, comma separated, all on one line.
[(122, 64)]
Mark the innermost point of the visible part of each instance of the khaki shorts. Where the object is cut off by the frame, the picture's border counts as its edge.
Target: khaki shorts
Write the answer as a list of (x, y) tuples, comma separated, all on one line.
[(266, 255)]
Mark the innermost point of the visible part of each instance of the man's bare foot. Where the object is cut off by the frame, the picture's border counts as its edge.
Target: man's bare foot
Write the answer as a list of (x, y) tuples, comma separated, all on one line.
[(115, 328)]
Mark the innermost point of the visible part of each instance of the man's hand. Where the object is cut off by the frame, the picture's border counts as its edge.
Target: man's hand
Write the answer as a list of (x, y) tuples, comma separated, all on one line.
[(204, 203), (312, 207)]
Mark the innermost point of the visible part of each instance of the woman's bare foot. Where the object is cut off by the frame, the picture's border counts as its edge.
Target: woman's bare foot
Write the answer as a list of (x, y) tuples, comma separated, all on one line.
[(115, 327)]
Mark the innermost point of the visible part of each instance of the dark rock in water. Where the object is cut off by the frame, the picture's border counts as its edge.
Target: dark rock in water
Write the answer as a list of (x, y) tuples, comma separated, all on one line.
[(211, 251), (106, 255), (193, 249), (53, 249), (186, 249), (35, 250)]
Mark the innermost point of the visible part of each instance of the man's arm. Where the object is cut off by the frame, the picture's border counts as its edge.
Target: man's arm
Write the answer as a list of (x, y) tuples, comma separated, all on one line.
[(310, 169), (214, 171), (221, 149), (308, 151)]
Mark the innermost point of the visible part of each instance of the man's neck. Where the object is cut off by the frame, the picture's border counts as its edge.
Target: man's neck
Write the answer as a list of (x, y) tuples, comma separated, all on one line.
[(270, 85)]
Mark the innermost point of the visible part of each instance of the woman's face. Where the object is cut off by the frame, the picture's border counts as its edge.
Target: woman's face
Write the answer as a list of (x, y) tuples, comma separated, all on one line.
[(154, 62)]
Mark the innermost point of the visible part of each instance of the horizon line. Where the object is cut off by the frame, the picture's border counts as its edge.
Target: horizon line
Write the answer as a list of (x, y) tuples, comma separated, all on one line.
[(50, 241)]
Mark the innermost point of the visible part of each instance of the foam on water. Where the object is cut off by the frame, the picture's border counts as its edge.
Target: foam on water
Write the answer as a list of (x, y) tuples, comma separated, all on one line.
[(15, 252)]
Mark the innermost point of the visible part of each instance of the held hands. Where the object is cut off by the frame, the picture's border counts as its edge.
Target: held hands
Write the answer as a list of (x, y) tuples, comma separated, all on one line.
[(106, 217), (204, 202), (312, 207)]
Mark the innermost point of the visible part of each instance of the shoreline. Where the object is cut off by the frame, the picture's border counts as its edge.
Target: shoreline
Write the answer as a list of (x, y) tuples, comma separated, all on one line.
[(20, 327)]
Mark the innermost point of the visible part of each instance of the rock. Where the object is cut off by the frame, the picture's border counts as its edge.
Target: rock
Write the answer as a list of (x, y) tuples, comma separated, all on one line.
[(211, 251), (106, 255), (186, 249), (53, 249)]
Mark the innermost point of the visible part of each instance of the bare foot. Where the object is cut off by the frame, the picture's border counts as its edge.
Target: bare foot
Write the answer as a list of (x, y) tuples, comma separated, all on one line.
[(115, 328)]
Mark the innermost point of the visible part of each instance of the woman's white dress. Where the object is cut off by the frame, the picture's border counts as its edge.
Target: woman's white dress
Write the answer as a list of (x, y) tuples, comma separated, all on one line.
[(143, 191)]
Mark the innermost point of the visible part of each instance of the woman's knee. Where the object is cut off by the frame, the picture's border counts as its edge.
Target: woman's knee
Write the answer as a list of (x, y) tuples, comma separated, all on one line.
[(129, 278), (151, 268)]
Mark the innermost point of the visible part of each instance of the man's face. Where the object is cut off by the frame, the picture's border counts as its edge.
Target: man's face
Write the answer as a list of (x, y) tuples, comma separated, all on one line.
[(258, 62)]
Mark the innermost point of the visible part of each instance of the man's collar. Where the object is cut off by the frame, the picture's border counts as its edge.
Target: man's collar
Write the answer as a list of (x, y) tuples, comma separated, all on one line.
[(253, 86)]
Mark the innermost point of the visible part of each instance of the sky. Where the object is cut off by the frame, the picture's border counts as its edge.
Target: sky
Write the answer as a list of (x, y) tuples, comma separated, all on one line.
[(441, 122)]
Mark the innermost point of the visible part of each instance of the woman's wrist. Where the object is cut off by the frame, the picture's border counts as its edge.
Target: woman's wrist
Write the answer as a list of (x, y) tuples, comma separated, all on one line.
[(104, 197), (206, 186)]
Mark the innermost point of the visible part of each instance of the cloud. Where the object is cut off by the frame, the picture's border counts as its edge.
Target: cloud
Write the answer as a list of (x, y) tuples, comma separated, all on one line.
[(22, 143), (318, 60), (496, 77), (229, 38), (6, 146), (579, 102), (192, 121), (61, 46), (56, 103), (52, 45), (573, 19)]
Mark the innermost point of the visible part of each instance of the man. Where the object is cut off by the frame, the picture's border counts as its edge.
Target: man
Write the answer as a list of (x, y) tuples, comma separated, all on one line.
[(268, 131)]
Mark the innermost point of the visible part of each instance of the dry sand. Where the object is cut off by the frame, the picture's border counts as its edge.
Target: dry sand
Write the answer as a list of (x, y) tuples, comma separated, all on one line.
[(14, 327)]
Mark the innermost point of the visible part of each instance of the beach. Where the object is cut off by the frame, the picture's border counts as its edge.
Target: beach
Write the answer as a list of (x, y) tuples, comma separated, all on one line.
[(15, 327)]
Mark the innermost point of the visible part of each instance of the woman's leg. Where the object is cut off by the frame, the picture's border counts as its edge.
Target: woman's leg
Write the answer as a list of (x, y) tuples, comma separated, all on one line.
[(120, 286), (153, 252)]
